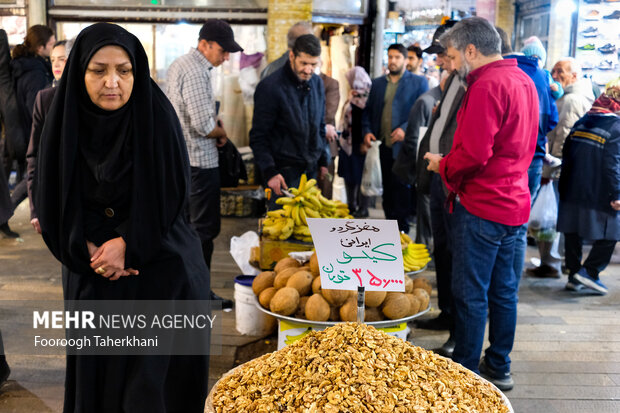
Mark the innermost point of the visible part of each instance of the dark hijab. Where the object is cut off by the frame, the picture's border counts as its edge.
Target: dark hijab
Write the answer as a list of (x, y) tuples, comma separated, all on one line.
[(142, 142)]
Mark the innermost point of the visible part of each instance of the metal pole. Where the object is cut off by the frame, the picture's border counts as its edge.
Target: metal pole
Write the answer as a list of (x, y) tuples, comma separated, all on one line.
[(377, 62), (360, 305)]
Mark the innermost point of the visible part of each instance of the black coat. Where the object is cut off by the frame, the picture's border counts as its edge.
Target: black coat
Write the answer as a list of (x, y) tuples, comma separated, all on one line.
[(288, 127), (16, 136), (31, 75)]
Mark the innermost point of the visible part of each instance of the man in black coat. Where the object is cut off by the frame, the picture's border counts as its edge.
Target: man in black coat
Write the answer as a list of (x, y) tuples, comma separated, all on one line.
[(288, 127)]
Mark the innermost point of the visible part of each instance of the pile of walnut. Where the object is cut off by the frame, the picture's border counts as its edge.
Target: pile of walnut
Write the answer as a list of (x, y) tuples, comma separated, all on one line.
[(353, 368), (295, 290)]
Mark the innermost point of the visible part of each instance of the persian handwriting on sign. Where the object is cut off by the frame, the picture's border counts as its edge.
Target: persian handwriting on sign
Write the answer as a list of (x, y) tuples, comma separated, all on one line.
[(348, 243), (336, 278), (354, 228), (376, 257)]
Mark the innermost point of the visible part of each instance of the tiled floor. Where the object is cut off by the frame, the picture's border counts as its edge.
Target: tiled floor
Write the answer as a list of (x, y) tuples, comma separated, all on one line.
[(566, 356)]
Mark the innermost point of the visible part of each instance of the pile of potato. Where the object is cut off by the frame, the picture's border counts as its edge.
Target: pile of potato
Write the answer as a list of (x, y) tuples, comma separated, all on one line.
[(292, 289)]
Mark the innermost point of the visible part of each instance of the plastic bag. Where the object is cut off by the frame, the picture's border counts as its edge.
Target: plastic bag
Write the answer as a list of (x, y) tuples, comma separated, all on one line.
[(240, 248), (372, 184), (544, 215)]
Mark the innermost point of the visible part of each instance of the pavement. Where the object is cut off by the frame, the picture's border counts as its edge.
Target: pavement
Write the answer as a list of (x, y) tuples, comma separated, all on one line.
[(566, 356)]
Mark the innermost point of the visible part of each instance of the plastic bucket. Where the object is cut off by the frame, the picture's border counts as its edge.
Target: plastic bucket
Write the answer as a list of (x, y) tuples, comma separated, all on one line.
[(249, 320)]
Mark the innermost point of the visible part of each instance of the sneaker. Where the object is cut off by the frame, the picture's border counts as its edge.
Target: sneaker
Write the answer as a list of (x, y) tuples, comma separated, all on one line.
[(573, 285), (587, 66), (614, 15), (589, 46), (593, 15), (606, 65), (607, 49), (544, 271), (502, 381), (583, 278), (590, 32)]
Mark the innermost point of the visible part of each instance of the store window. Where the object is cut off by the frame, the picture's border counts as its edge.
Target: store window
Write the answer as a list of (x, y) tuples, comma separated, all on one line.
[(210, 4), (341, 7)]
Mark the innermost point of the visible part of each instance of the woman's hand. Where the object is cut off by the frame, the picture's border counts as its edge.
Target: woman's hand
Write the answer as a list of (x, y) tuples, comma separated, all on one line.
[(109, 259)]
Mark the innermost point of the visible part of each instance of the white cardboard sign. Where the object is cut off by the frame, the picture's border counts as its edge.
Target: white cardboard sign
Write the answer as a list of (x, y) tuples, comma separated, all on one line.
[(354, 253)]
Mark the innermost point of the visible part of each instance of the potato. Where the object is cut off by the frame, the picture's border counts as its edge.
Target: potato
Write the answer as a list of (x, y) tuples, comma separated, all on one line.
[(373, 314), (317, 309), (285, 301), (374, 298), (283, 276), (286, 262), (423, 283), (335, 297), (424, 298), (301, 281), (263, 281), (301, 310), (265, 297), (316, 285), (348, 311), (408, 284), (314, 265), (414, 304), (396, 306)]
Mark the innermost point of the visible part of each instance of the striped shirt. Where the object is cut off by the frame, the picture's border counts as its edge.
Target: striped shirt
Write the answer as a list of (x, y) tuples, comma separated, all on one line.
[(191, 93)]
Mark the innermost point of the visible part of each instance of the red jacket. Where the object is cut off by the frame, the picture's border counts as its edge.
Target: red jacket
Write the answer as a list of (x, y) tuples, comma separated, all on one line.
[(494, 144)]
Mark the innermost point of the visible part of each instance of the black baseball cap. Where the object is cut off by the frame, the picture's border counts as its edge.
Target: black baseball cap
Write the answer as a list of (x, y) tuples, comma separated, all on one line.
[(436, 46), (219, 31)]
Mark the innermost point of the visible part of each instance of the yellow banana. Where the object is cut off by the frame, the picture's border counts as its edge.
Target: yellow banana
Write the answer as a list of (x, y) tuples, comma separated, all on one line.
[(308, 204), (302, 215), (295, 215), (309, 184), (311, 213), (328, 203), (314, 200), (302, 230), (285, 201), (294, 191), (287, 229), (302, 183), (278, 213)]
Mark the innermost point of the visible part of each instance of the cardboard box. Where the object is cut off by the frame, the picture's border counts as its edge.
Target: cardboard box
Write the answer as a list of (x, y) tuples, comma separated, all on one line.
[(271, 251)]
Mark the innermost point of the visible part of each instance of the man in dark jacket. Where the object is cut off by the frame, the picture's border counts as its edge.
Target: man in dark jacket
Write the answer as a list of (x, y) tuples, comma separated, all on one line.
[(288, 127), (385, 118), (547, 119)]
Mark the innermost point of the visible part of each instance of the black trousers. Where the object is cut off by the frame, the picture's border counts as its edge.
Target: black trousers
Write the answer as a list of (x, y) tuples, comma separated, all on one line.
[(204, 208), (598, 258), (441, 223), (396, 195)]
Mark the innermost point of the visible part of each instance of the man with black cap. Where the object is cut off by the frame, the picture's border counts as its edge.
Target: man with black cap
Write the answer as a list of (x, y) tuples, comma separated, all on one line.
[(190, 91), (438, 139)]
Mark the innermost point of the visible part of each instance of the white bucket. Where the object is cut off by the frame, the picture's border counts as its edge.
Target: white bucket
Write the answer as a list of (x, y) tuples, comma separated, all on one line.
[(249, 319)]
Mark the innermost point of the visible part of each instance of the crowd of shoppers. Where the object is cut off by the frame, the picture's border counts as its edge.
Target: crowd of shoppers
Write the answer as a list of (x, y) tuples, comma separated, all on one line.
[(467, 157)]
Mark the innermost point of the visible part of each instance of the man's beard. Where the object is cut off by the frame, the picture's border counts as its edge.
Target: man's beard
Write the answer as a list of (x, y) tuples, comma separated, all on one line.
[(410, 68), (396, 72), (465, 68)]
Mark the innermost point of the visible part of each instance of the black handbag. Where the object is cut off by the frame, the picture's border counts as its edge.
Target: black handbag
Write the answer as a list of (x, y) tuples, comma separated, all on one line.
[(232, 168)]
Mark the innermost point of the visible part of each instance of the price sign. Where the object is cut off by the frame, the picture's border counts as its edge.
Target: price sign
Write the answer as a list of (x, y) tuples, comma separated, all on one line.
[(358, 253)]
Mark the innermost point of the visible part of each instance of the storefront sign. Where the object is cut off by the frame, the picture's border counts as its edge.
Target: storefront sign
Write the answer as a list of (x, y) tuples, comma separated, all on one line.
[(358, 253)]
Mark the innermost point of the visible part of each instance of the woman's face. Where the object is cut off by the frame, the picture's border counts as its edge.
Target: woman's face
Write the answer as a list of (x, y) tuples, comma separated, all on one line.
[(109, 78), (58, 59)]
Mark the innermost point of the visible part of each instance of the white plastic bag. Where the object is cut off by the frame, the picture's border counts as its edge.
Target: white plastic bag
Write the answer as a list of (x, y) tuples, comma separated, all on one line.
[(240, 249), (544, 215), (372, 185)]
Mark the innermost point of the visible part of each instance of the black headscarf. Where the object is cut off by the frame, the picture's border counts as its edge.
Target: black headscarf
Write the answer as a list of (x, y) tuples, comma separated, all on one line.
[(142, 141)]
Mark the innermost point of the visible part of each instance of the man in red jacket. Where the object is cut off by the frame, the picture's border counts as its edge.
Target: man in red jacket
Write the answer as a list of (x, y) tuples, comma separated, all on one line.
[(486, 172)]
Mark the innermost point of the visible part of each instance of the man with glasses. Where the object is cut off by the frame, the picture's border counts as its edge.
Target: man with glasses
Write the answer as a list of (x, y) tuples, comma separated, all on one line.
[(190, 91)]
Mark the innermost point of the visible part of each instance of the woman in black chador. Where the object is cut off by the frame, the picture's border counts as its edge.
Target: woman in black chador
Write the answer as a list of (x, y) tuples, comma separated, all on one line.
[(111, 186)]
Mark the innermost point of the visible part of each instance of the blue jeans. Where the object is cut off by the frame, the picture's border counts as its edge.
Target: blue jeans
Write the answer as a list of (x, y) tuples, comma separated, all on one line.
[(534, 174), (483, 278)]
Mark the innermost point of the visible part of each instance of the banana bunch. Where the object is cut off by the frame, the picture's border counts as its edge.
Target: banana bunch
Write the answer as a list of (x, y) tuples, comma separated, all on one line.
[(415, 256), (307, 202)]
